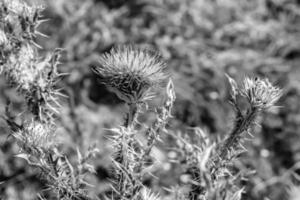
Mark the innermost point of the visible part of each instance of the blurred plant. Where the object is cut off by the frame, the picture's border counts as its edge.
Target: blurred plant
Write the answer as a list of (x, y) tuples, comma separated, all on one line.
[(35, 79), (132, 74)]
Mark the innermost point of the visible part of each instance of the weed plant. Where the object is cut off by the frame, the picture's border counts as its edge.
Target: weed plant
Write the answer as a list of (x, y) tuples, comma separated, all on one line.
[(207, 164)]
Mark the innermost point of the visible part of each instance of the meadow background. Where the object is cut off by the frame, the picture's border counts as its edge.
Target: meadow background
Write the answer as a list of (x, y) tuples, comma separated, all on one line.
[(201, 41)]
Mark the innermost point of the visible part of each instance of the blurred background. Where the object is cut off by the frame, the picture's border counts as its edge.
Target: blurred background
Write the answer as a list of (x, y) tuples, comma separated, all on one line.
[(201, 41)]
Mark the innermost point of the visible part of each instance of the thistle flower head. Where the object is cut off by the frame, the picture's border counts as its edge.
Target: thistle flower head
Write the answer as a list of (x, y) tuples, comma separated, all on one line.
[(21, 8), (22, 65), (260, 92), (35, 137), (131, 72), (20, 18), (35, 78), (25, 70)]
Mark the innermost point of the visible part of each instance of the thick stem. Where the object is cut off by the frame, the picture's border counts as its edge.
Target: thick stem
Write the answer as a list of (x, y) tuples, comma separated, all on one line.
[(241, 125), (131, 115), (126, 154)]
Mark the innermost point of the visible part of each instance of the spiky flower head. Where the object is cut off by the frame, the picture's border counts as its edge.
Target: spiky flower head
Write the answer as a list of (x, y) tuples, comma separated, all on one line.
[(20, 67), (20, 18), (36, 137), (131, 72), (34, 77), (260, 92)]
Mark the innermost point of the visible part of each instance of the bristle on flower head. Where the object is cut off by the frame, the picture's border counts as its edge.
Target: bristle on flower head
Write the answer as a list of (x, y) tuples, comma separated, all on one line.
[(146, 194), (131, 72), (260, 92)]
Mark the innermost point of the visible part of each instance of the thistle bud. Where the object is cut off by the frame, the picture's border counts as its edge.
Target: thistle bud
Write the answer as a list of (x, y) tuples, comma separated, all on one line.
[(234, 88), (260, 93)]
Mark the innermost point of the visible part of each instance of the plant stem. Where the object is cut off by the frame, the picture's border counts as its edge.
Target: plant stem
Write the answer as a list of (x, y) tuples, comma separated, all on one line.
[(242, 124), (126, 154), (131, 115)]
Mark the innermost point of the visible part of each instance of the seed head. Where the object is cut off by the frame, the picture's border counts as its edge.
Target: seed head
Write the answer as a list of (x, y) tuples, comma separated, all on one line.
[(131, 72), (260, 92)]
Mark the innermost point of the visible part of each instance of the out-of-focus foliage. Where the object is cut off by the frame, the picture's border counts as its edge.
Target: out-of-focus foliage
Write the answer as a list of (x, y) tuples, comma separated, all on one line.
[(201, 41)]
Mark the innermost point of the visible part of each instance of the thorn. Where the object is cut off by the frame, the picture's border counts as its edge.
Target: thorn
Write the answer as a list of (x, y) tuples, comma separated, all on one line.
[(248, 132), (63, 74), (35, 44), (41, 34), (242, 147), (42, 21)]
